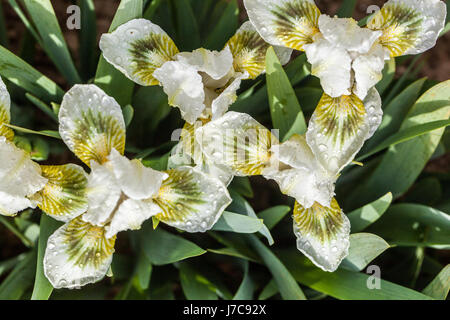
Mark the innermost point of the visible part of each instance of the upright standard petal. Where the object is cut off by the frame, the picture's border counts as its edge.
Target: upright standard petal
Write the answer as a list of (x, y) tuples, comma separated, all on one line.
[(77, 254), (64, 196), (409, 26), (191, 200), (300, 175), (91, 123), (5, 115), (238, 141), (20, 179), (216, 64), (136, 181), (287, 23), (130, 215), (339, 126), (103, 193), (368, 70), (249, 51), (184, 88), (137, 48), (227, 97), (331, 64), (322, 234), (345, 33)]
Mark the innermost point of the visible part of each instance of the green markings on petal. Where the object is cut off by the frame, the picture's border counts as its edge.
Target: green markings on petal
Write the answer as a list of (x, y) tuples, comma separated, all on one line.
[(340, 118), (250, 154), (191, 200), (249, 51), (179, 196), (64, 195), (322, 234), (401, 26), (149, 54), (296, 23), (5, 119), (315, 220), (96, 134), (87, 245)]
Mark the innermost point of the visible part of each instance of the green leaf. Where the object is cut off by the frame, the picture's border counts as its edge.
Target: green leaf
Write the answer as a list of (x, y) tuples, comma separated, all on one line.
[(344, 284), (414, 225), (20, 279), (151, 9), (46, 133), (224, 28), (402, 163), (347, 8), (285, 110), (245, 290), (439, 287), (25, 76), (188, 37), (240, 205), (232, 252), (289, 289), (128, 113), (406, 135), (39, 150), (242, 186), (42, 106), (194, 285), (309, 98), (234, 222), (7, 265), (42, 287), (162, 247), (88, 38), (52, 39), (143, 271), (363, 217), (364, 247), (388, 76), (395, 113), (298, 69), (11, 227), (108, 78), (269, 290), (399, 83), (273, 215)]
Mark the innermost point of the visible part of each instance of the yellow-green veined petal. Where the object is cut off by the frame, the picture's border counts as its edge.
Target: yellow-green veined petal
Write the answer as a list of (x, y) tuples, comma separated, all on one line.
[(91, 123), (339, 127), (5, 115), (322, 234), (20, 179), (300, 175), (249, 51), (64, 196), (77, 254), (288, 23), (137, 48), (409, 26), (331, 64), (238, 141), (191, 200)]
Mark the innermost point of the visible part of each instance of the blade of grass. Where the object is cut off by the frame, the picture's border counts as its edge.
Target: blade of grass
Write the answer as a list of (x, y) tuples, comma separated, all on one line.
[(42, 287), (53, 42)]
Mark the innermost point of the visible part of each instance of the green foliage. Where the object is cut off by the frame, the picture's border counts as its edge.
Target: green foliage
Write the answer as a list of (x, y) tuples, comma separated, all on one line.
[(397, 202)]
